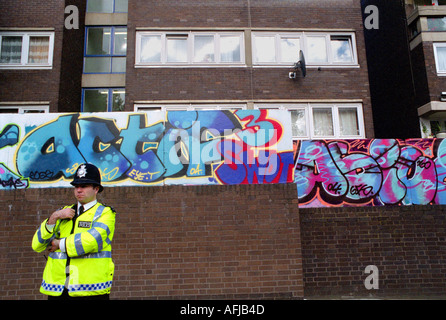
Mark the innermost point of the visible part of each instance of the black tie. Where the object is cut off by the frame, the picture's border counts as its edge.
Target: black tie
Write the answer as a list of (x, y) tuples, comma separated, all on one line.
[(81, 210)]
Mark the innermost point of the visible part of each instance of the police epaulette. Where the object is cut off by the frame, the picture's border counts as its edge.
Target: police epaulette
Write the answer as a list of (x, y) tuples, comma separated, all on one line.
[(113, 209)]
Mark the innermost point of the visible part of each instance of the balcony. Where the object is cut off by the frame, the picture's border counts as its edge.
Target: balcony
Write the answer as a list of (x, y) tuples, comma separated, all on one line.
[(426, 23)]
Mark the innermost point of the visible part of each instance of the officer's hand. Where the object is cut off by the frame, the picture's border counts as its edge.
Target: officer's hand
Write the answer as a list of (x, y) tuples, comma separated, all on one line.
[(54, 245), (67, 213)]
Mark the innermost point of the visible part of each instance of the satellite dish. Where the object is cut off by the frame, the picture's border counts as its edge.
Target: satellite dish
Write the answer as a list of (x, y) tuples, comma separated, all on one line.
[(301, 64)]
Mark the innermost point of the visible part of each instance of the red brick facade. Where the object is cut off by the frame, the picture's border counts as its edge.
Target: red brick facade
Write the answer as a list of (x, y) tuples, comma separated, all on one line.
[(405, 243), (238, 242), (59, 86), (224, 242), (247, 83)]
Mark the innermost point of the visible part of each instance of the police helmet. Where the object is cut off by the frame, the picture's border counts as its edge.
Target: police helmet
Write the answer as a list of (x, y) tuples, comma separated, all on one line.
[(87, 173)]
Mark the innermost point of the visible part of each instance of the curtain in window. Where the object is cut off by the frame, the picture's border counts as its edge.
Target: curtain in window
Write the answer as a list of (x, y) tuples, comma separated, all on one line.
[(11, 50), (348, 121), (441, 58), (177, 49), (322, 122), (38, 49)]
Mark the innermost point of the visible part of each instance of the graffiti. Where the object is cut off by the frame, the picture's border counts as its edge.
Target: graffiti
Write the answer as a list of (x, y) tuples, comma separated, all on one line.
[(9, 179), (219, 147), (179, 147), (9, 136), (370, 172)]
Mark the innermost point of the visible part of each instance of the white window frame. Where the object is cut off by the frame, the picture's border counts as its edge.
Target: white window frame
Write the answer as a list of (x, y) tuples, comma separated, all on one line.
[(187, 107), (437, 45), (190, 49), (303, 36), (25, 50), (309, 118), (24, 109), (278, 52)]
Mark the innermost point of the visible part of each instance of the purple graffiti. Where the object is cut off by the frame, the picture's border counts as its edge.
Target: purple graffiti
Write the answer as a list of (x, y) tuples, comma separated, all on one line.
[(370, 172)]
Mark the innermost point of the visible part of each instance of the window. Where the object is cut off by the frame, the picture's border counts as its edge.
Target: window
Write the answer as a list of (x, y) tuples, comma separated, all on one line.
[(311, 121), (336, 49), (107, 6), (176, 48), (317, 50), (265, 49), (438, 2), (105, 50), (440, 58), (276, 48), (103, 99), (341, 49), (298, 122), (189, 48), (28, 50), (24, 109), (322, 122), (336, 121), (187, 107), (348, 121), (436, 23)]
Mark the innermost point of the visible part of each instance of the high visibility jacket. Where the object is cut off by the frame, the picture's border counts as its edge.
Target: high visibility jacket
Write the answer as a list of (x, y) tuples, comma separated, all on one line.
[(87, 262)]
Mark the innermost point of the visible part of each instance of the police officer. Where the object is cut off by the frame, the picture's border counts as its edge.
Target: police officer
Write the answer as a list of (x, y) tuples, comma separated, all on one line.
[(78, 238)]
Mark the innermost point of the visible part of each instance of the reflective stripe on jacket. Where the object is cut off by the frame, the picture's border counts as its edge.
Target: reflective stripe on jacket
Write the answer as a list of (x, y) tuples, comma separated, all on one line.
[(87, 262)]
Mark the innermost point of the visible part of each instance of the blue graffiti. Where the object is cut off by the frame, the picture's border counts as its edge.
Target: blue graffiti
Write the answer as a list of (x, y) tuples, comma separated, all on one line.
[(9, 135), (184, 145)]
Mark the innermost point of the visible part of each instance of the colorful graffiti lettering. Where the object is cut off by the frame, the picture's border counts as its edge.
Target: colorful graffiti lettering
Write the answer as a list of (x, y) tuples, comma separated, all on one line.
[(370, 172), (220, 147), (9, 179), (9, 136), (179, 147)]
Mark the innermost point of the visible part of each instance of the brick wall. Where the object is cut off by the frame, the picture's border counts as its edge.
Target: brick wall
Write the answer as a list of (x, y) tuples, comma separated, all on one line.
[(407, 244), (172, 242), (230, 242)]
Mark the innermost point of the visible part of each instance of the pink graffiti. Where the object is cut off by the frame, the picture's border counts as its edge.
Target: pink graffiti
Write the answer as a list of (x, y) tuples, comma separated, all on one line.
[(370, 172)]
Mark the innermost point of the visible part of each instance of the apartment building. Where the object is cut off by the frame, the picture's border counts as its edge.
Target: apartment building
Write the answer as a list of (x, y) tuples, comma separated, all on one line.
[(40, 61), (406, 58), (427, 42), (239, 54), (177, 55), (244, 238), (104, 56)]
